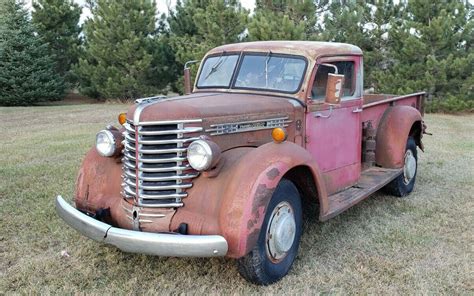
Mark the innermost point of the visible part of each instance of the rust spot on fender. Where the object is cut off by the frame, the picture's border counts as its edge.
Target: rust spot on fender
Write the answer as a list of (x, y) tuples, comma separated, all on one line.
[(273, 173), (250, 224), (259, 205), (262, 196)]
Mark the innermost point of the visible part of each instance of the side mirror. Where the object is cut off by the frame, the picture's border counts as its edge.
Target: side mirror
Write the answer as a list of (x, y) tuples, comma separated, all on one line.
[(187, 77), (334, 88)]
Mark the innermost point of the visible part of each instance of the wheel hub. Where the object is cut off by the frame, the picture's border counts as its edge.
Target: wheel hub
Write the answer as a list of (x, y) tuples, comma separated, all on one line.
[(409, 169), (281, 231)]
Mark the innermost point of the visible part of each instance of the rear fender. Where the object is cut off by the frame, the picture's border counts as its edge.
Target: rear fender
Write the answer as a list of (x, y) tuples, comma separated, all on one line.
[(392, 133)]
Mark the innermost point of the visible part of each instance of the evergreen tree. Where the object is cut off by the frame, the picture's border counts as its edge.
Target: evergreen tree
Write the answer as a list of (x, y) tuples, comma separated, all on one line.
[(120, 50), (56, 21), (381, 16), (432, 50), (361, 24), (199, 25), (283, 20), (27, 73)]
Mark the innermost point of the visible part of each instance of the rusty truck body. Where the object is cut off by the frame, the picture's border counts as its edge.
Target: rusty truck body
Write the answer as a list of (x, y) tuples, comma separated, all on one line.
[(268, 129)]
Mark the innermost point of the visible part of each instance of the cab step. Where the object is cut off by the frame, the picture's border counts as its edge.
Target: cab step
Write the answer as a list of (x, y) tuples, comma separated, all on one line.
[(371, 180)]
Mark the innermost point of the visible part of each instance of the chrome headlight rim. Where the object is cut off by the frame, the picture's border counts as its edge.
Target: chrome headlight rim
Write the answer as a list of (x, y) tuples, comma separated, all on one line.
[(113, 143), (210, 157)]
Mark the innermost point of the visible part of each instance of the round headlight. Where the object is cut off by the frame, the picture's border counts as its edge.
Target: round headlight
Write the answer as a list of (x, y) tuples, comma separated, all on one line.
[(203, 155), (105, 143)]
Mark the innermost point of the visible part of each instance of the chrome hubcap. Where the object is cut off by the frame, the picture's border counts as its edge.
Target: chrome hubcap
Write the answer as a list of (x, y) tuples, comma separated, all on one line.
[(281, 231), (409, 169)]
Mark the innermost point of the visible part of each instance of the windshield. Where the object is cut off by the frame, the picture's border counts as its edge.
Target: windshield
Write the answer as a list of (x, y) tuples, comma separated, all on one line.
[(217, 71), (269, 72)]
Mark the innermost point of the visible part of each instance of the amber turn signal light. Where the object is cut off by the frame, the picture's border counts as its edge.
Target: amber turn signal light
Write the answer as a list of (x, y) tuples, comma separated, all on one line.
[(122, 118), (279, 134)]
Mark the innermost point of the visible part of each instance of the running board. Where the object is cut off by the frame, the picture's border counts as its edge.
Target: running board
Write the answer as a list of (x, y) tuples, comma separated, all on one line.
[(371, 180)]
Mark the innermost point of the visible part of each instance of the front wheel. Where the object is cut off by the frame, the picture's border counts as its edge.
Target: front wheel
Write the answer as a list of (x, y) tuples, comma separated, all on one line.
[(404, 183), (278, 242)]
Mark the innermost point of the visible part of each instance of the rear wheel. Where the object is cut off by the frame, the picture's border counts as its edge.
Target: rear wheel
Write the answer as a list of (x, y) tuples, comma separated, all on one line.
[(403, 184), (278, 242)]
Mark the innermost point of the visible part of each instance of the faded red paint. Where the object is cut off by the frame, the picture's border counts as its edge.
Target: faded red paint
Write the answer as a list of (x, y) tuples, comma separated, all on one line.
[(393, 133), (231, 199)]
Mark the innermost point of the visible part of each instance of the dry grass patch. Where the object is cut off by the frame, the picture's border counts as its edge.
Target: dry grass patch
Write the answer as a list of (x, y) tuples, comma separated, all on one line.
[(420, 244)]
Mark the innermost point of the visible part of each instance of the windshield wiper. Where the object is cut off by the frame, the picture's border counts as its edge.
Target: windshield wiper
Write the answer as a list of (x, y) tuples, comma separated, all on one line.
[(268, 57), (215, 66)]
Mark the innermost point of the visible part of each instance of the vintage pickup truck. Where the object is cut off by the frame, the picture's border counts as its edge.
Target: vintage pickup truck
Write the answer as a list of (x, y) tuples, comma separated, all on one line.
[(268, 129)]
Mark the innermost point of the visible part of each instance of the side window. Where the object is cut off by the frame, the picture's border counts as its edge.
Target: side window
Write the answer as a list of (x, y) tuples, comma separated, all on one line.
[(318, 92)]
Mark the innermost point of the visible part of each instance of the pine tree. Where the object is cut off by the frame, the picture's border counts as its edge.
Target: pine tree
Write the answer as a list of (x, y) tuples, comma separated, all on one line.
[(380, 17), (283, 20), (347, 23), (56, 21), (432, 50), (119, 50), (199, 25), (27, 73)]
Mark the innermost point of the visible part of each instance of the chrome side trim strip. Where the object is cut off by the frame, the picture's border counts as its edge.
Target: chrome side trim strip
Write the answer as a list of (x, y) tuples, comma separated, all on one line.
[(251, 121), (248, 126)]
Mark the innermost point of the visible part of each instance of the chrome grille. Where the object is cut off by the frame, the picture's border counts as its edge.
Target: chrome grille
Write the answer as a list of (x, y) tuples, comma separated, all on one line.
[(155, 169)]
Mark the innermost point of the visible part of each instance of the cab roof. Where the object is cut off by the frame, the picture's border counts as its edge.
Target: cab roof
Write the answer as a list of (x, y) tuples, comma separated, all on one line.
[(311, 49)]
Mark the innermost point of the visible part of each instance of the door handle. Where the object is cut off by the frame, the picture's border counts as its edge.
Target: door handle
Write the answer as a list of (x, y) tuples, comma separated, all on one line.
[(357, 110), (321, 115)]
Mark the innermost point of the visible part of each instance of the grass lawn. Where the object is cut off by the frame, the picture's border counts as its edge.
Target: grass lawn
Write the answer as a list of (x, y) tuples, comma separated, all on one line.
[(422, 244)]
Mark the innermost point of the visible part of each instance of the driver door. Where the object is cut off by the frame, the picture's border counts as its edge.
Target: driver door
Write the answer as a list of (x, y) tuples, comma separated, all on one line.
[(334, 132)]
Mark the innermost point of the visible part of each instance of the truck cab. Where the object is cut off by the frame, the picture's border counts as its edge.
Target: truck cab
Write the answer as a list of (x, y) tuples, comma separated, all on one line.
[(267, 129)]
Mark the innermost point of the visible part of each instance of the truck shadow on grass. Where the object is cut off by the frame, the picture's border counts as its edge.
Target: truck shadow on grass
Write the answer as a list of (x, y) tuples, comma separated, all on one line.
[(325, 246)]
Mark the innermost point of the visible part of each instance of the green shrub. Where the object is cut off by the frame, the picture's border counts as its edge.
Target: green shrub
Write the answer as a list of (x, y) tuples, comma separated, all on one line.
[(450, 104)]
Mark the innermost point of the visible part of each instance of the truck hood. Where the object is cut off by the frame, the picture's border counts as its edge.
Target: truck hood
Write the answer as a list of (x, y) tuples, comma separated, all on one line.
[(226, 110), (211, 106)]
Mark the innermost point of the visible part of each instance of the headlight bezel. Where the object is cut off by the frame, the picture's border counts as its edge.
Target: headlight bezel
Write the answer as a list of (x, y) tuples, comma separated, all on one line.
[(212, 155), (113, 143)]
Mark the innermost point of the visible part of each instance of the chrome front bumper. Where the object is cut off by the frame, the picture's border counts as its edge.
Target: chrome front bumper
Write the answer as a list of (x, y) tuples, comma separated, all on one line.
[(161, 244)]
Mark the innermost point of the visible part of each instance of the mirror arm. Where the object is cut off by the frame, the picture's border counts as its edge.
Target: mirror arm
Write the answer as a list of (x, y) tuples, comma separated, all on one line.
[(332, 66), (187, 77), (188, 63)]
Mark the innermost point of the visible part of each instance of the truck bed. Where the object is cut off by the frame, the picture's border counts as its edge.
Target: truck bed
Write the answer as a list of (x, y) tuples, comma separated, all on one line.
[(375, 105), (377, 99)]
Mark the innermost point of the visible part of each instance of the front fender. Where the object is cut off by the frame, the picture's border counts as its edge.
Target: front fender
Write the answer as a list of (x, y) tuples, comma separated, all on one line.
[(234, 203), (392, 135), (98, 186)]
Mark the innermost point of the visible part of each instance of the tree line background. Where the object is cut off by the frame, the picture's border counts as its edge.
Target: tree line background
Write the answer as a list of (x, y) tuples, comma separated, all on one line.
[(127, 50)]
